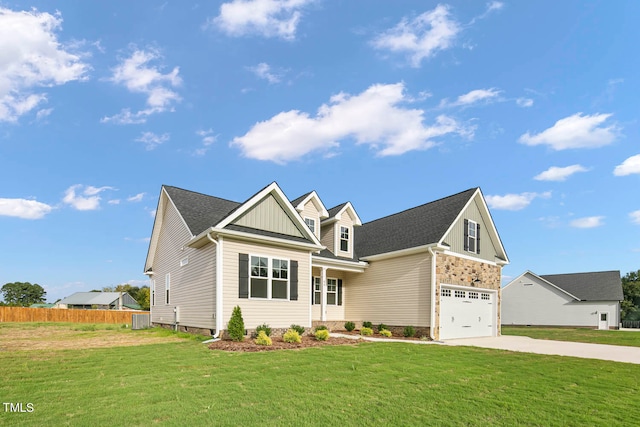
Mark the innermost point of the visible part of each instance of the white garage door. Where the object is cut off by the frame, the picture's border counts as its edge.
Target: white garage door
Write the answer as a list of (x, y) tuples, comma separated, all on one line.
[(466, 313)]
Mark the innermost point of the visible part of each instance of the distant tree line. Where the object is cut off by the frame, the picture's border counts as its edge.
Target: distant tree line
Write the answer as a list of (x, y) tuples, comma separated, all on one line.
[(630, 306)]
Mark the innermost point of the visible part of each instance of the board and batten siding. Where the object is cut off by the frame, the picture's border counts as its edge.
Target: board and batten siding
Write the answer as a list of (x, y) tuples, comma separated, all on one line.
[(192, 286), (455, 238), (532, 302), (269, 215), (395, 291), (276, 313)]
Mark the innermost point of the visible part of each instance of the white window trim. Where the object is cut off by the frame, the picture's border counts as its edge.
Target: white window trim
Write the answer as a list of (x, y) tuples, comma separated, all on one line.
[(313, 220), (317, 281), (349, 238), (334, 292), (471, 222), (167, 288), (270, 277)]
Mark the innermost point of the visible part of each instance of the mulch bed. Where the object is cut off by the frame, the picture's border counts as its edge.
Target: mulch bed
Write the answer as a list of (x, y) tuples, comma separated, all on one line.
[(248, 345)]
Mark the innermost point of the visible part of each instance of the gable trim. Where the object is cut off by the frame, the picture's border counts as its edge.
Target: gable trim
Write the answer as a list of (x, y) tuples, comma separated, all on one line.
[(313, 196), (158, 222), (542, 280), (338, 216), (491, 229), (202, 239), (275, 190)]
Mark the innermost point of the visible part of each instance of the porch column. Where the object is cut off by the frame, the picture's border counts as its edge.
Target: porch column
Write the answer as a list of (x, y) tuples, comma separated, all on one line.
[(323, 284)]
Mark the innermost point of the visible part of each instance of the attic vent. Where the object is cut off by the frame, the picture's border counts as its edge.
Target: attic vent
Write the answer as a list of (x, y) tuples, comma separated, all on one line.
[(528, 284), (184, 261)]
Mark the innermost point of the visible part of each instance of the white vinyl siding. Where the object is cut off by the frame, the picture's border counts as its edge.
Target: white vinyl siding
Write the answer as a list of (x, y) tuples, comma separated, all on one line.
[(530, 301), (192, 287), (278, 313), (404, 281)]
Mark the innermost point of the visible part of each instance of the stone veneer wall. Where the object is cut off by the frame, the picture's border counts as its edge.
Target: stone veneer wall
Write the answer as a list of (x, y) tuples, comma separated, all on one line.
[(453, 270)]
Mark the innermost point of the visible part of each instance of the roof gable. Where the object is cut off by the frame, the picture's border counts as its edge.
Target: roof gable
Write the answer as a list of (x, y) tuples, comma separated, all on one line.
[(335, 213), (269, 215), (94, 298), (591, 286), (538, 279), (312, 197), (419, 226)]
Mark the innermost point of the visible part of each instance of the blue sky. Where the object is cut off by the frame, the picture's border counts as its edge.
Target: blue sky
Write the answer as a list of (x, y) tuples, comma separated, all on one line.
[(387, 104)]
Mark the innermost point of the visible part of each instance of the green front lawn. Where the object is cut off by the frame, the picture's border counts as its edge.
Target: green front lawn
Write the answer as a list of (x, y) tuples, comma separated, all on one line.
[(184, 383), (628, 338)]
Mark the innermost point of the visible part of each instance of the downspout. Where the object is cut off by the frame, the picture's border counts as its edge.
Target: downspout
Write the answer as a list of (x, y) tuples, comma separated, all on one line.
[(432, 323), (218, 244)]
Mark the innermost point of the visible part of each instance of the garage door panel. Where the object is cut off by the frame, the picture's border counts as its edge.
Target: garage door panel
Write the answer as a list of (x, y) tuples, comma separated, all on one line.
[(466, 313)]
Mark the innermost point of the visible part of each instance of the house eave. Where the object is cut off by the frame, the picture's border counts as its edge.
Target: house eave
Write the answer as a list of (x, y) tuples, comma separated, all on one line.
[(201, 239), (403, 252), (339, 264)]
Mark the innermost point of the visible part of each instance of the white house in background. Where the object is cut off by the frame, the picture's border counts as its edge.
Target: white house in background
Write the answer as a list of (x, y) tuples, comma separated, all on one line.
[(99, 301), (578, 299)]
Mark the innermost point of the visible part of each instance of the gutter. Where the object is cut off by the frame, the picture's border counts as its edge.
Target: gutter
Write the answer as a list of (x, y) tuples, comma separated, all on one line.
[(218, 244)]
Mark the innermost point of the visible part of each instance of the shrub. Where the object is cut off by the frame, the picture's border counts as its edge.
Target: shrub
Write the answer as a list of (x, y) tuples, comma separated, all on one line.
[(385, 333), (408, 331), (366, 331), (235, 327), (322, 334), (264, 327), (263, 339), (349, 326), (291, 336), (321, 328), (299, 329), (367, 324), (382, 326)]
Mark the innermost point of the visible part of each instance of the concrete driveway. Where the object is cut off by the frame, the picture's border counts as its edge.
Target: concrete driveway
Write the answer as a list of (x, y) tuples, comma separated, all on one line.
[(614, 353)]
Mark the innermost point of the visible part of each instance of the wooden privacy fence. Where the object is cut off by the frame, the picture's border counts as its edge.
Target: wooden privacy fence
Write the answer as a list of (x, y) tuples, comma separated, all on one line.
[(24, 314)]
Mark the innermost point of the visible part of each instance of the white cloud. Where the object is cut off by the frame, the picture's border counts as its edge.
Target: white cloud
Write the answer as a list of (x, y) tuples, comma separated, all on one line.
[(421, 37), (587, 222), (137, 198), (207, 136), (24, 208), (635, 217), (268, 18), (31, 57), (263, 71), (576, 131), (628, 167), (114, 202), (473, 97), (152, 140), (84, 198), (138, 76), (555, 173), (524, 102), (374, 117), (514, 202)]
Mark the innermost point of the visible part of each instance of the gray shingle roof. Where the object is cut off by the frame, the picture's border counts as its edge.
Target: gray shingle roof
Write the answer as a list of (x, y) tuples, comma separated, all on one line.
[(296, 202), (422, 225), (334, 210), (595, 286), (198, 210), (93, 298)]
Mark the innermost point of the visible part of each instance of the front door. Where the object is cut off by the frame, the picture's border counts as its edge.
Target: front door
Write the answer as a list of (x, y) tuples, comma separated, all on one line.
[(603, 322)]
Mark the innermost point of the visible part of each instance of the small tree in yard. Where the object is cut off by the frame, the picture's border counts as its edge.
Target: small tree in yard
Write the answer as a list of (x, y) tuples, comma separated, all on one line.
[(235, 327)]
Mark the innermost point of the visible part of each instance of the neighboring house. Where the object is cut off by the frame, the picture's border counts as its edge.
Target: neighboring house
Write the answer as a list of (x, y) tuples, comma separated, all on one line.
[(579, 299), (436, 267), (99, 301)]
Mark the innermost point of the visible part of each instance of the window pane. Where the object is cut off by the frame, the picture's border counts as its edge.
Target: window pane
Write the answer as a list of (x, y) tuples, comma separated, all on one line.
[(284, 264), (317, 298), (331, 299), (258, 288), (276, 263), (279, 289), (344, 245), (472, 245)]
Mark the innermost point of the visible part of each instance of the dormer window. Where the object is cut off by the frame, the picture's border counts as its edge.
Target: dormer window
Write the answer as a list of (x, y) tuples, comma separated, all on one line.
[(311, 223), (344, 239)]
